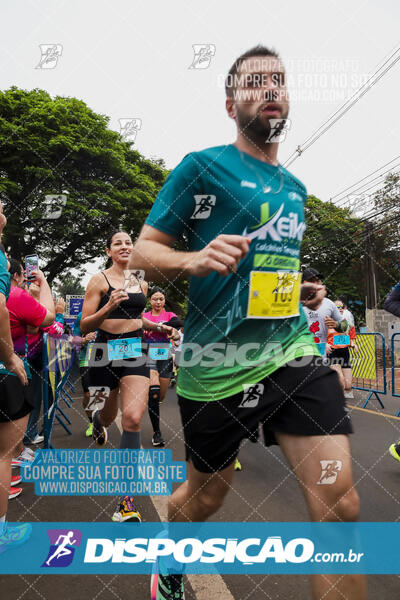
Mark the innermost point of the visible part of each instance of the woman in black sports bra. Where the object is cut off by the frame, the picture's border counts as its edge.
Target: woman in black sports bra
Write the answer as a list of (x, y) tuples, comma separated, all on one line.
[(114, 302)]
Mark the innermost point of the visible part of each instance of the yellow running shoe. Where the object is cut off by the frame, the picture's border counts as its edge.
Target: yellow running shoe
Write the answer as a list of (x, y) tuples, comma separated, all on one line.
[(395, 451), (126, 511), (238, 466), (89, 430)]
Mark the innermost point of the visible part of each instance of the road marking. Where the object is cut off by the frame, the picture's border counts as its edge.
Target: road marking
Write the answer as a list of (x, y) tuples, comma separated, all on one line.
[(374, 412), (204, 586)]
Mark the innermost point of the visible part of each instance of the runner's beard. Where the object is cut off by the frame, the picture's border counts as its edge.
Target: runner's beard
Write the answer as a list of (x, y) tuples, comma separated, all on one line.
[(256, 128)]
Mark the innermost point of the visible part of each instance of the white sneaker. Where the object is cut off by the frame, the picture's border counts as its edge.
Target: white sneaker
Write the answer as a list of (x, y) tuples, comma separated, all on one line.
[(38, 439), (27, 456), (28, 450), (348, 394)]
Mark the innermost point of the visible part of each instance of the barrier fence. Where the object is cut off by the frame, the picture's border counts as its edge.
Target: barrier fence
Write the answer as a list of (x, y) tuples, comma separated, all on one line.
[(58, 360), (395, 351), (369, 365)]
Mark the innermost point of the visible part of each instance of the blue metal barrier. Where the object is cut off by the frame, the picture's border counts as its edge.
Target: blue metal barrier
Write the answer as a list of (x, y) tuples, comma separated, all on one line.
[(368, 352), (58, 360), (394, 393)]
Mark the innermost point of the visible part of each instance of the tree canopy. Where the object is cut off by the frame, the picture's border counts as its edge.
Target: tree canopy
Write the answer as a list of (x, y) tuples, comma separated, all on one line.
[(59, 145)]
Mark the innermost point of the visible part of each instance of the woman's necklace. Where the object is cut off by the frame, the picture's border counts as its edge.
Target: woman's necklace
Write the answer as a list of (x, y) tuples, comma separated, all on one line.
[(267, 189)]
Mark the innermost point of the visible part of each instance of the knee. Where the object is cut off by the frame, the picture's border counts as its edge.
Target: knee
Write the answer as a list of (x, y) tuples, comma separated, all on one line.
[(344, 507), (348, 506), (208, 502), (131, 422)]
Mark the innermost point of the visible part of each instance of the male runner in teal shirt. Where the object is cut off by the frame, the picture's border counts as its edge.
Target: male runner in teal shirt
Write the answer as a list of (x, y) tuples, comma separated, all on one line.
[(248, 357)]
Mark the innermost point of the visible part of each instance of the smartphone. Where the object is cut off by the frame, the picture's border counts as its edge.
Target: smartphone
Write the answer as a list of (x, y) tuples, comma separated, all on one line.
[(31, 265)]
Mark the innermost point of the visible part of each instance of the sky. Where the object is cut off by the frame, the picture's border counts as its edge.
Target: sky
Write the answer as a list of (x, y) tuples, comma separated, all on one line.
[(130, 59)]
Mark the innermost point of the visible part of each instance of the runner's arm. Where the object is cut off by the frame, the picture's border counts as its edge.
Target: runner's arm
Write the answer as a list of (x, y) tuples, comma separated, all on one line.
[(153, 253)]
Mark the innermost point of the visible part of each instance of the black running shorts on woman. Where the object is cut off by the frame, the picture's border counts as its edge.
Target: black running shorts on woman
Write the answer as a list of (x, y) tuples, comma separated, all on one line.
[(104, 372), (298, 400), (15, 398)]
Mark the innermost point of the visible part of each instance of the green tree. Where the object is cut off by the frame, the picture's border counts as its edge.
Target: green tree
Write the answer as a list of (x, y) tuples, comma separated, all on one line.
[(53, 145), (333, 244), (68, 285)]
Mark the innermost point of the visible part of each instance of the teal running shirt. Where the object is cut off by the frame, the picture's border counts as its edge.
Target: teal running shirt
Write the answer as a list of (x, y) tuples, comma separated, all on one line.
[(224, 191)]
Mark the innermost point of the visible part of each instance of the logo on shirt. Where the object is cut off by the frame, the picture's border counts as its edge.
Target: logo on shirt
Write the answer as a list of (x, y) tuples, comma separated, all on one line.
[(275, 226), (248, 184), (204, 204), (252, 395)]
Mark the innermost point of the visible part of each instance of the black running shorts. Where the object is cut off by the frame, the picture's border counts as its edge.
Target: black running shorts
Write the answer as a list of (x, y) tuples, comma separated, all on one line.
[(15, 398), (299, 400), (105, 372), (340, 356)]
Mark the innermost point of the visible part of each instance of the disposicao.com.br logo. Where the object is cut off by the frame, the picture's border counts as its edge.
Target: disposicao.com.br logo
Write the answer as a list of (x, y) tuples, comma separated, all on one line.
[(192, 550)]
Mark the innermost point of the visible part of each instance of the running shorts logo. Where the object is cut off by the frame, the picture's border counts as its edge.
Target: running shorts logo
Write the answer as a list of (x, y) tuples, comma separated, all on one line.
[(62, 547), (204, 204), (252, 395), (330, 471), (98, 397)]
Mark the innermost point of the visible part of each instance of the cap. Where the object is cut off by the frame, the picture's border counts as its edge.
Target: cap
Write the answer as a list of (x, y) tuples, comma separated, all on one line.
[(310, 273)]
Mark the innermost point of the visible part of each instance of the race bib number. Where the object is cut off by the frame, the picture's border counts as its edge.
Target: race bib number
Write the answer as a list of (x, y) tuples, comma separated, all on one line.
[(274, 295), (159, 353), (121, 349), (341, 340)]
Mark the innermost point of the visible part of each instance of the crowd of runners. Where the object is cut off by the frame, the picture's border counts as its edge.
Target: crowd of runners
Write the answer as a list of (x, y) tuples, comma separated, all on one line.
[(281, 365)]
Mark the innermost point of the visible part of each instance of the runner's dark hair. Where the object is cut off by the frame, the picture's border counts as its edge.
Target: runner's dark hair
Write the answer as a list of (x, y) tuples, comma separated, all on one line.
[(258, 50), (111, 235), (156, 290)]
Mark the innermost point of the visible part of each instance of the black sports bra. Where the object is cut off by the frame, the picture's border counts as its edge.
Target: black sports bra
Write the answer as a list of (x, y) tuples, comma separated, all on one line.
[(128, 309)]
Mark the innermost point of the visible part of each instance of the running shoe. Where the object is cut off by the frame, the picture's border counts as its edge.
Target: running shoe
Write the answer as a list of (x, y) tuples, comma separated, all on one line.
[(99, 432), (126, 511), (15, 480), (348, 394), (395, 450), (16, 463), (157, 439), (38, 439), (27, 454), (89, 430), (167, 587), (238, 466), (10, 537), (14, 492), (172, 382)]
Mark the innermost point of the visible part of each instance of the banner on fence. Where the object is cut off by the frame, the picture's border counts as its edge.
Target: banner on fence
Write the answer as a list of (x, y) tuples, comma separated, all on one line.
[(363, 362)]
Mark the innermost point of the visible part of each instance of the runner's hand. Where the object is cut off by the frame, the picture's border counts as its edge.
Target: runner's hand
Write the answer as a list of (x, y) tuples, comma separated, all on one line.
[(172, 332), (312, 294), (116, 297), (16, 366), (328, 349), (34, 290), (89, 337), (222, 255), (331, 323)]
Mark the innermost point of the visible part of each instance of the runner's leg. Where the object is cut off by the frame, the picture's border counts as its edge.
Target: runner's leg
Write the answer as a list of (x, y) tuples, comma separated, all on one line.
[(336, 502), (11, 434), (201, 495), (338, 370)]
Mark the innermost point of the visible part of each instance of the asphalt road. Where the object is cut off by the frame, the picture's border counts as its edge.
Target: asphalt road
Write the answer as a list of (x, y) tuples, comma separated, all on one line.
[(265, 490)]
